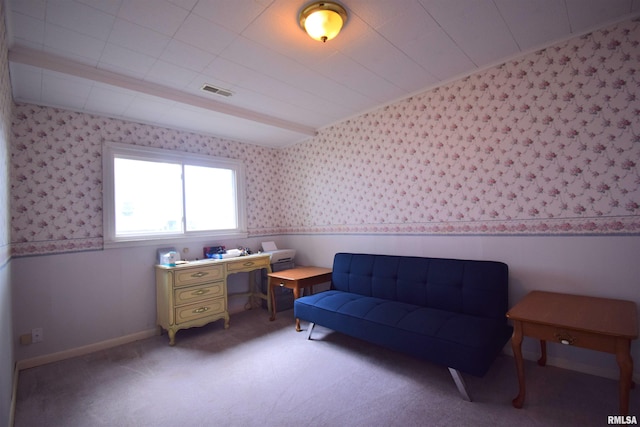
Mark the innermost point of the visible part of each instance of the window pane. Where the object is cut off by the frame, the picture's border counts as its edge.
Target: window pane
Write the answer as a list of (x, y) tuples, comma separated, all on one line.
[(210, 198), (152, 194), (148, 197)]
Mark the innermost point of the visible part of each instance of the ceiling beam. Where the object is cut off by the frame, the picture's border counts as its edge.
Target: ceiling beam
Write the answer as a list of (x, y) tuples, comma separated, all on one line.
[(36, 58)]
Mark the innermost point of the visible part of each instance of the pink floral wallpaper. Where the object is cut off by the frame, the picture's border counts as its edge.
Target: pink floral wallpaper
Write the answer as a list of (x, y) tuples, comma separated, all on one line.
[(56, 175), (546, 144)]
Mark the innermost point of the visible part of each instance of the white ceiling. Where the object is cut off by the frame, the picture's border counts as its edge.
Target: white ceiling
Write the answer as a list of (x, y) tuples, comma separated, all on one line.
[(146, 60)]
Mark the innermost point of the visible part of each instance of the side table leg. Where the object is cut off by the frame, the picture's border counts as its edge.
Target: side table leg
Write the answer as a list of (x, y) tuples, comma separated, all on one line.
[(296, 295), (269, 308), (543, 353), (516, 345), (625, 362), (272, 296)]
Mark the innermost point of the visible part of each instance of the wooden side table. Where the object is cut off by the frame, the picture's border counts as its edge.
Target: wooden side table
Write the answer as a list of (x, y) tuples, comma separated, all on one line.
[(601, 324), (296, 278)]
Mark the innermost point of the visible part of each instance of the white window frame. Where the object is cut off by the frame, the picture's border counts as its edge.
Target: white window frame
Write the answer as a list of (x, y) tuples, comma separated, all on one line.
[(111, 150)]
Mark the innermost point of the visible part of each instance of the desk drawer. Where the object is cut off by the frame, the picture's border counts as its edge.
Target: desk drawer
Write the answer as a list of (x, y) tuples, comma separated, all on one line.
[(194, 276), (198, 293), (247, 264), (566, 336), (200, 310)]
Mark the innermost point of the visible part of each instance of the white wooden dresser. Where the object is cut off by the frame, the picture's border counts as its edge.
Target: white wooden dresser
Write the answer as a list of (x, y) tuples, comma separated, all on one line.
[(195, 293)]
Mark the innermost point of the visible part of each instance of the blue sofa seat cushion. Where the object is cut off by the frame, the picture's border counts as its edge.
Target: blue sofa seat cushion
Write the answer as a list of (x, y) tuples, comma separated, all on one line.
[(447, 311), (461, 341)]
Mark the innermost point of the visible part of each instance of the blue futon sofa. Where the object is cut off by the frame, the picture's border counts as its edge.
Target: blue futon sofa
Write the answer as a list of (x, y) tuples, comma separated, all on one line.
[(447, 311)]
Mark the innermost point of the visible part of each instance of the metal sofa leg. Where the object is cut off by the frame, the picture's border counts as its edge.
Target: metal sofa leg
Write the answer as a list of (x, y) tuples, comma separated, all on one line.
[(462, 387), (311, 325)]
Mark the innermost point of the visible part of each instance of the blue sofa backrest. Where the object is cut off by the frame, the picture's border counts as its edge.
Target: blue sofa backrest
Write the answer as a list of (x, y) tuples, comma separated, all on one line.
[(478, 288)]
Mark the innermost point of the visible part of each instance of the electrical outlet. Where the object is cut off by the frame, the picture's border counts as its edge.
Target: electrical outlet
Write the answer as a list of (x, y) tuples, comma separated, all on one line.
[(37, 335)]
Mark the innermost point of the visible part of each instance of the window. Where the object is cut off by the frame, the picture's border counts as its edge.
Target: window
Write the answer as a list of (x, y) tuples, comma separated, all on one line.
[(154, 194)]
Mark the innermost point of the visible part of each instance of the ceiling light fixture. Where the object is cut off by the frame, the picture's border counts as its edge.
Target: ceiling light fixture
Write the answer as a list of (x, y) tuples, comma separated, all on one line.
[(323, 20)]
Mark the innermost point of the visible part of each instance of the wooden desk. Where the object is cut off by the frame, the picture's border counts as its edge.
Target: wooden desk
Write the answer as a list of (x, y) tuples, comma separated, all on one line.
[(195, 293), (601, 324), (296, 278)]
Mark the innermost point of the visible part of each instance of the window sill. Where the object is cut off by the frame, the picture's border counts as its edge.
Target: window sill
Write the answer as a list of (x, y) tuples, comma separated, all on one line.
[(148, 241)]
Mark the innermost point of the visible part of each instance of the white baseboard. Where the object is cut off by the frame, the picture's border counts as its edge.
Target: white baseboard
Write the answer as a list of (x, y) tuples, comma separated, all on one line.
[(81, 351)]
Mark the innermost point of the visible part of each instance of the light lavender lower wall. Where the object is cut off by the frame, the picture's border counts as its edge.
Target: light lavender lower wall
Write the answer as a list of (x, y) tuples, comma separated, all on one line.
[(605, 266), (89, 297), (84, 298)]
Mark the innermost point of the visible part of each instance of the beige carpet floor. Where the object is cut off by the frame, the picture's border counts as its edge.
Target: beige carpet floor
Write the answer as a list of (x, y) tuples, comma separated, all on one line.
[(261, 373)]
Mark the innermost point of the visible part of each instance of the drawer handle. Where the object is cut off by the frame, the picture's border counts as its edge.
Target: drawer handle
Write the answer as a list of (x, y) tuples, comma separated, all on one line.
[(200, 310), (200, 292), (199, 274), (565, 339), (248, 263)]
